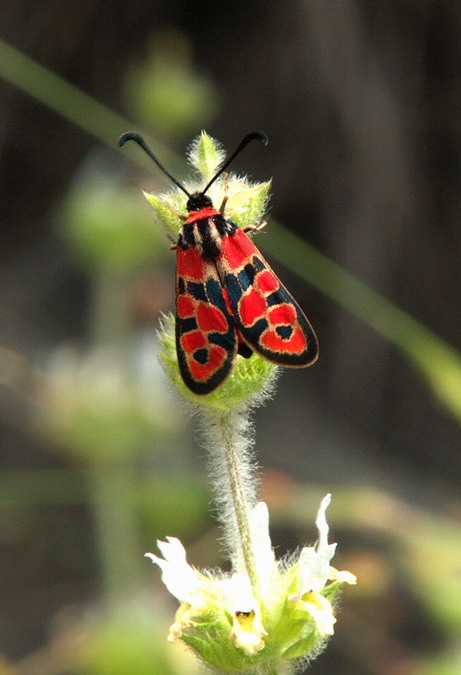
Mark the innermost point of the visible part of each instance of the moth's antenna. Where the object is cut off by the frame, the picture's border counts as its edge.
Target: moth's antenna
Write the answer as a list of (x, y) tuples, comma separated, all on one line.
[(134, 136), (253, 135)]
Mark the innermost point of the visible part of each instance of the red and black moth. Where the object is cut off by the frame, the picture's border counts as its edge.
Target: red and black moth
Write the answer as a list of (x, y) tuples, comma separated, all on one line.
[(228, 299)]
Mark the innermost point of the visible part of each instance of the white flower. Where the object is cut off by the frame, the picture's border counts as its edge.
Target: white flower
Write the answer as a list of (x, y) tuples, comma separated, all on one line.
[(314, 571), (200, 595), (219, 608)]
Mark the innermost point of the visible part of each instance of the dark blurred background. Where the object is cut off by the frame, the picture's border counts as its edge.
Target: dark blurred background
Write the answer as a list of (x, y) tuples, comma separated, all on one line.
[(361, 103)]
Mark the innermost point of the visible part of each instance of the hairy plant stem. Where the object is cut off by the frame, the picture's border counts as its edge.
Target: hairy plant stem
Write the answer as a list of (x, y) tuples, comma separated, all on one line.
[(235, 489)]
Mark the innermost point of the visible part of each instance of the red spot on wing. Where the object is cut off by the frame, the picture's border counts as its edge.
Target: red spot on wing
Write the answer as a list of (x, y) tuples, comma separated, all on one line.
[(237, 248), (283, 315), (193, 340), (185, 306), (203, 371), (190, 263), (296, 344), (210, 318), (252, 307), (267, 282)]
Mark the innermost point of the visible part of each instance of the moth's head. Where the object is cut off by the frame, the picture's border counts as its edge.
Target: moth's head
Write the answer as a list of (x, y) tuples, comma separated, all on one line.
[(198, 201)]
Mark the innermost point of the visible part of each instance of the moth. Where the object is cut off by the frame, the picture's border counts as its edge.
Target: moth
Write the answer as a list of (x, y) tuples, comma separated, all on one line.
[(228, 299)]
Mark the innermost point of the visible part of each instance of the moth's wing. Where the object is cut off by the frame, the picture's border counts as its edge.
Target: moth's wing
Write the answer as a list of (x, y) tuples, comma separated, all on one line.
[(206, 339), (268, 317)]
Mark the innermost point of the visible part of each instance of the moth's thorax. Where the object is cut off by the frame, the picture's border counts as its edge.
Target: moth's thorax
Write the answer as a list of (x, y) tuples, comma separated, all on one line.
[(205, 234), (207, 212)]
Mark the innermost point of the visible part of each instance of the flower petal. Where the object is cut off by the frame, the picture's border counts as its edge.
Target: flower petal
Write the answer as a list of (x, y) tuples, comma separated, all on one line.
[(177, 575), (248, 632), (321, 611), (314, 562), (344, 576), (263, 551), (321, 522), (238, 594)]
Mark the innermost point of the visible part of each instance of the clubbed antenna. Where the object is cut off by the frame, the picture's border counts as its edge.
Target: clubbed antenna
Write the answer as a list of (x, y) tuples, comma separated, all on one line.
[(253, 135), (134, 136)]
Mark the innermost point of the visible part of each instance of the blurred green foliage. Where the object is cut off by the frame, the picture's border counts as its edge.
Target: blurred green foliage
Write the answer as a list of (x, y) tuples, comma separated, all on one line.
[(106, 227), (128, 640), (167, 92)]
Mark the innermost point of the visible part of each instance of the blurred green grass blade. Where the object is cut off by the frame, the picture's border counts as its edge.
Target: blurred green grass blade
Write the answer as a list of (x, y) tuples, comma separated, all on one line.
[(437, 361), (53, 91), (70, 102)]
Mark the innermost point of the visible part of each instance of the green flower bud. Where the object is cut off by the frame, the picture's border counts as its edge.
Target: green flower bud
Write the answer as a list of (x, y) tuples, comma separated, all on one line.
[(252, 379)]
